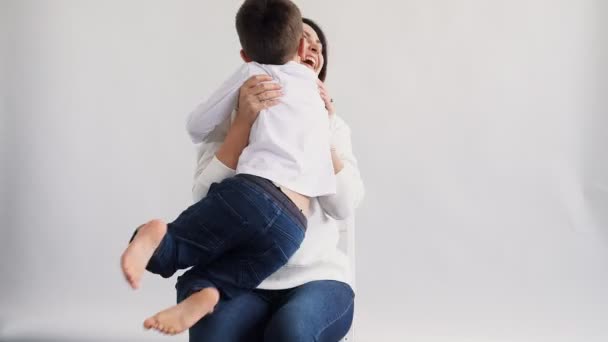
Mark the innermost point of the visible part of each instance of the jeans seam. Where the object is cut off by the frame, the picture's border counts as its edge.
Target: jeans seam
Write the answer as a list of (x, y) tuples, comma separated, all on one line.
[(275, 217), (254, 188), (335, 320), (255, 274), (291, 238), (294, 221), (232, 210), (253, 201), (257, 188)]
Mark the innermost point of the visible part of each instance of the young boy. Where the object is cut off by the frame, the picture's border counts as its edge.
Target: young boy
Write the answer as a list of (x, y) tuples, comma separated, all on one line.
[(248, 225)]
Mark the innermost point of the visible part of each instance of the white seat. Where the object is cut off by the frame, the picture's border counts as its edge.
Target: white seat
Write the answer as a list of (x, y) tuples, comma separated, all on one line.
[(347, 244)]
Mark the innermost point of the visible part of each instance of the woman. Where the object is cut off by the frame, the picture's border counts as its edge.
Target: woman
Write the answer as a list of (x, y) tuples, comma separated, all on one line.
[(309, 298)]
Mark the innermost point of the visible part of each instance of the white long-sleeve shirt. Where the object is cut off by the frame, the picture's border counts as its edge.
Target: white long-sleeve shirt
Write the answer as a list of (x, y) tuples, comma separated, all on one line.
[(288, 143), (318, 257)]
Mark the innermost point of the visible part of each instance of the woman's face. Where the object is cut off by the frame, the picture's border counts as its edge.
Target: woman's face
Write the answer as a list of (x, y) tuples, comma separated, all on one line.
[(313, 48)]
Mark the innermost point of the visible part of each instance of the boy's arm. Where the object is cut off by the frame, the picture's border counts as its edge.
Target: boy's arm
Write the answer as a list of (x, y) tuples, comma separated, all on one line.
[(219, 153), (211, 113)]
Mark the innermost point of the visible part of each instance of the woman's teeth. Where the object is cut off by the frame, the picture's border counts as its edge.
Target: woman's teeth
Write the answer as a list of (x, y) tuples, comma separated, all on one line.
[(310, 63)]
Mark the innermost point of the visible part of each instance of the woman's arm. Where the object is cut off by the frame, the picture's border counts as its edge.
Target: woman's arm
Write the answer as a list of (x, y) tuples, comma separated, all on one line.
[(254, 96), (209, 168), (219, 153), (349, 186)]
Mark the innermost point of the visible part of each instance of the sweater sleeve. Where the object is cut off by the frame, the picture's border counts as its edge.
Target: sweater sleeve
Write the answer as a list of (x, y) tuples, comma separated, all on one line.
[(209, 169), (212, 112), (349, 186)]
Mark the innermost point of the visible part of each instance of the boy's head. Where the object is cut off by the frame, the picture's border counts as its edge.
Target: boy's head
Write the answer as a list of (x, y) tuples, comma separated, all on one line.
[(269, 30)]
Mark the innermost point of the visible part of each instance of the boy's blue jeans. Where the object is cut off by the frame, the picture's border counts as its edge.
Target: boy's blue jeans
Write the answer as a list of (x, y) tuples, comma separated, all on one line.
[(240, 233)]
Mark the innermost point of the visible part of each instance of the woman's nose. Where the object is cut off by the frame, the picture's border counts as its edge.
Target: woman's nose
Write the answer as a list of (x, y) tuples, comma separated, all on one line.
[(314, 47)]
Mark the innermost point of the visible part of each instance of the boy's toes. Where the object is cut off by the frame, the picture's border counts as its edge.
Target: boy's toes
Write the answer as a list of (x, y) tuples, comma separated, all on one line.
[(150, 323)]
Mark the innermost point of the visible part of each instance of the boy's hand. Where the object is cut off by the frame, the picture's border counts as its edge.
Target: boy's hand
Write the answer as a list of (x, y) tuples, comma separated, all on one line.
[(329, 102), (257, 93)]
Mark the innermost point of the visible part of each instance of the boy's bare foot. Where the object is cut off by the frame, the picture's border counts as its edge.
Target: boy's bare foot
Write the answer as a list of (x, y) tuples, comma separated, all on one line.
[(140, 250), (184, 315)]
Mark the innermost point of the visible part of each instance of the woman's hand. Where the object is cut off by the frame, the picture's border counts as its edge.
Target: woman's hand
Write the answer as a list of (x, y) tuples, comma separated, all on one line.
[(257, 93), (329, 105), (329, 102)]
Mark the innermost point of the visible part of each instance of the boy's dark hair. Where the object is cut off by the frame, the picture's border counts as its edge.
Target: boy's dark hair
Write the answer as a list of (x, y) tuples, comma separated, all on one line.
[(269, 30)]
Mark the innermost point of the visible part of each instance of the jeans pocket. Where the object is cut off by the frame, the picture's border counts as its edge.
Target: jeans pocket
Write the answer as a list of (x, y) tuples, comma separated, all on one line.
[(256, 268)]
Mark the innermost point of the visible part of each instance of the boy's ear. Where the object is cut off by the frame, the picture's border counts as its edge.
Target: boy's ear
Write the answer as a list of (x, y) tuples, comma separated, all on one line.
[(245, 57), (302, 49)]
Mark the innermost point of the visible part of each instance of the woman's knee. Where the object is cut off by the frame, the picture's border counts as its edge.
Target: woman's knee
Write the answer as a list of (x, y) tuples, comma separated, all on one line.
[(317, 311)]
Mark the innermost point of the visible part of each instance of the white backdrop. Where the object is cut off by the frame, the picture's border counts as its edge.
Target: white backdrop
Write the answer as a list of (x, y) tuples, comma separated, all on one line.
[(480, 126)]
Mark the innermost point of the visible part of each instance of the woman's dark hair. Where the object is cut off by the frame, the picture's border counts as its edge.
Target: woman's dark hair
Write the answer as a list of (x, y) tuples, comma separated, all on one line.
[(323, 40)]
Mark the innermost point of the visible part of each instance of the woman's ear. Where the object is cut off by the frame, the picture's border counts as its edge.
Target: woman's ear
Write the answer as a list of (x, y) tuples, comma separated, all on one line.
[(244, 56)]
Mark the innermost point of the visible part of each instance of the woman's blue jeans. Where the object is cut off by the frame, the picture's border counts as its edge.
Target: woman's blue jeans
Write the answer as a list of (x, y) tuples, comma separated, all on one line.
[(316, 311)]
